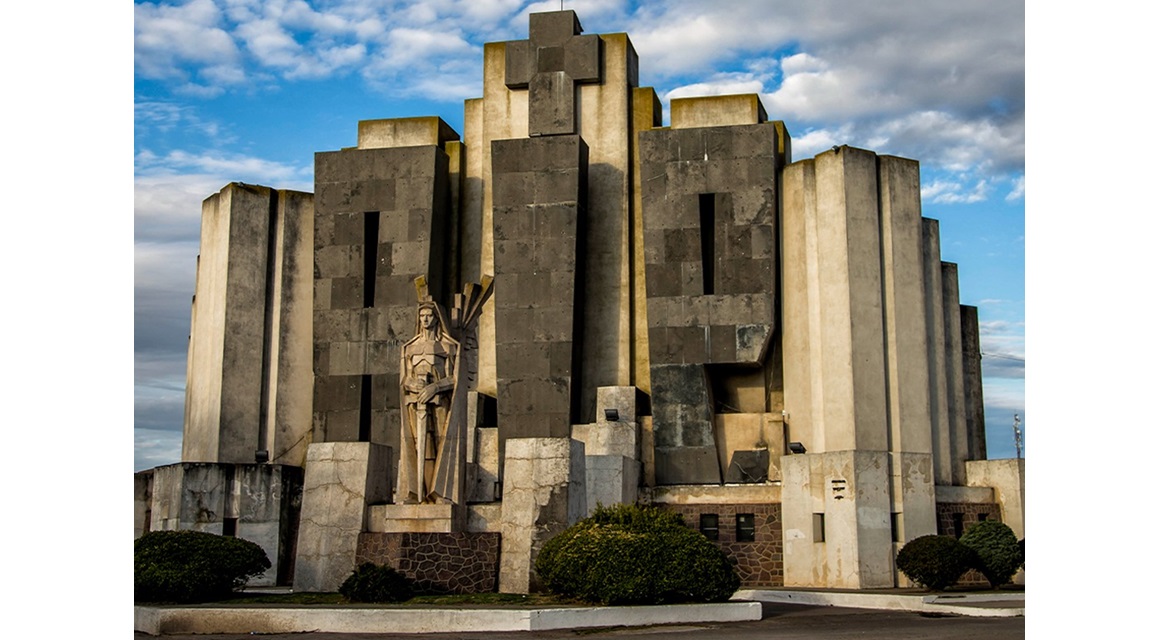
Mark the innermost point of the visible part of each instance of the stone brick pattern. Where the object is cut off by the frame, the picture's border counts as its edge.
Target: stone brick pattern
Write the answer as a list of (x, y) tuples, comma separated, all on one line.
[(971, 513), (437, 562), (408, 188), (759, 563), (539, 187)]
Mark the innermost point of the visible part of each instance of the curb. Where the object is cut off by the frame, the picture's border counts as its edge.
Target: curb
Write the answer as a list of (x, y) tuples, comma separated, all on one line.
[(165, 620), (977, 605)]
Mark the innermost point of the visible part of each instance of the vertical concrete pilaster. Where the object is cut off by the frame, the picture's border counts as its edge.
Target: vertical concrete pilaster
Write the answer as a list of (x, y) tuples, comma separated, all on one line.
[(937, 354), (954, 372)]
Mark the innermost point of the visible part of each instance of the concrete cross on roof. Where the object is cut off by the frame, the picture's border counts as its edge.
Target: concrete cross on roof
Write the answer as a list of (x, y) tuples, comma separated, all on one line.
[(549, 64)]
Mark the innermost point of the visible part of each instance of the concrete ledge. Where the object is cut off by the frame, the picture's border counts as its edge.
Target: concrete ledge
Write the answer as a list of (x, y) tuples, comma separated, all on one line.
[(354, 619), (981, 605)]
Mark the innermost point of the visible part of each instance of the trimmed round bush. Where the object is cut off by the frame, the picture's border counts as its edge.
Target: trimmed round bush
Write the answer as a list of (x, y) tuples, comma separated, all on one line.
[(937, 562), (627, 554), (376, 583), (998, 553), (192, 566)]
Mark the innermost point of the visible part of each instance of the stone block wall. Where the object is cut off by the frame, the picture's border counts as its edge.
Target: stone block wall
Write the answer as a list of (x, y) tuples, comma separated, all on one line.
[(969, 515), (437, 562), (759, 562)]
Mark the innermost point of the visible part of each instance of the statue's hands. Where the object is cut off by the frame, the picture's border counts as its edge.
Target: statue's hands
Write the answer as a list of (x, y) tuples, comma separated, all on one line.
[(413, 384), (426, 394)]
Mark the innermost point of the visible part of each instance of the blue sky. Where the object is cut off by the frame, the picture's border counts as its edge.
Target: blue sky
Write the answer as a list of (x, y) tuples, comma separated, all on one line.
[(241, 90)]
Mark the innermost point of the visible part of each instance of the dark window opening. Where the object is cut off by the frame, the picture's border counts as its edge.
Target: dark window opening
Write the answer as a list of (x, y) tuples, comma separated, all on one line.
[(745, 527), (981, 517), (371, 248), (710, 526), (817, 527), (958, 524), (897, 527), (708, 242), (365, 408), (230, 526)]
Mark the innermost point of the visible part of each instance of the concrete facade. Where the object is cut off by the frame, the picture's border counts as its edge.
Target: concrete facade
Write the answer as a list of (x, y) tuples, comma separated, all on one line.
[(672, 314)]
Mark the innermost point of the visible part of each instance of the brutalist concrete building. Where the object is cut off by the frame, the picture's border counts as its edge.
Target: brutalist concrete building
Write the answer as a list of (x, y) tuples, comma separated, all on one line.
[(458, 345)]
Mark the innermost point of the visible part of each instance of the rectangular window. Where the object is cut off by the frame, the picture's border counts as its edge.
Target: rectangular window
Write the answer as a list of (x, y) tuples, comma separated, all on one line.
[(897, 527), (708, 242), (958, 524), (710, 526), (745, 527), (371, 248), (981, 517), (365, 434), (230, 526), (817, 527)]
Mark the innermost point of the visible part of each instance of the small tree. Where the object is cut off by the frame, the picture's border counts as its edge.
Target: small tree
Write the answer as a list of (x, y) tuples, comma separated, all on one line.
[(998, 553), (628, 554), (376, 583), (937, 562), (191, 566)]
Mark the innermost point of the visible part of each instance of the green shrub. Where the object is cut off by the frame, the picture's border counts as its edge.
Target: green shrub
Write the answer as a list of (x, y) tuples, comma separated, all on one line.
[(937, 562), (998, 553), (635, 555), (191, 566), (376, 583)]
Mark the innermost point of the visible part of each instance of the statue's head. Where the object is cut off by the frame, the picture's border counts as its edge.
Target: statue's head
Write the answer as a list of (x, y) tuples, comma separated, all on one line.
[(427, 316)]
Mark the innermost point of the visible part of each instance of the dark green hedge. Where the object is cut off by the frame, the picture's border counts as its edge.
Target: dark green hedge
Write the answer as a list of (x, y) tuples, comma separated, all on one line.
[(191, 566), (376, 583), (998, 553), (629, 554), (937, 562)]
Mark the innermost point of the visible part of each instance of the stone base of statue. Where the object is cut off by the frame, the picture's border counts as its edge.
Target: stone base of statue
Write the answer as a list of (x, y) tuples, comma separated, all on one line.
[(420, 518)]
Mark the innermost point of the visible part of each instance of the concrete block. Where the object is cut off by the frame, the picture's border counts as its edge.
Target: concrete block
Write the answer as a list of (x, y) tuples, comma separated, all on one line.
[(404, 132), (716, 111), (343, 479), (544, 493)]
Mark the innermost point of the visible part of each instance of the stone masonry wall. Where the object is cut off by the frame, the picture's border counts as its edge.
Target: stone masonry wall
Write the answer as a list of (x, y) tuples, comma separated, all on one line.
[(759, 563), (437, 562), (971, 514)]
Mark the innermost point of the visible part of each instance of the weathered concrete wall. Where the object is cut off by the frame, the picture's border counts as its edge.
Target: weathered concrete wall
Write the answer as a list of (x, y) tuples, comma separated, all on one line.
[(543, 494), (343, 479), (1006, 478), (710, 255), (540, 185), (937, 361), (847, 492), (954, 372), (257, 502), (362, 318)]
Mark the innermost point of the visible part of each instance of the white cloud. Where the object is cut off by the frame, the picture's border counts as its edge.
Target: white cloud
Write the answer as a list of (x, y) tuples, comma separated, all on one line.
[(170, 38), (1017, 190)]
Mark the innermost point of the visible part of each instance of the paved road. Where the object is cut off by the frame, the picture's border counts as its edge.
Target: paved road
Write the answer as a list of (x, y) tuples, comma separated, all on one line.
[(779, 622)]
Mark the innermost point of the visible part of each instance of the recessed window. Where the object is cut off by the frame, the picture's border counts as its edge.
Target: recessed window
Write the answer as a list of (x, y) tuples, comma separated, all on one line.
[(897, 527), (745, 527), (958, 524), (229, 526), (981, 516), (710, 525), (817, 527)]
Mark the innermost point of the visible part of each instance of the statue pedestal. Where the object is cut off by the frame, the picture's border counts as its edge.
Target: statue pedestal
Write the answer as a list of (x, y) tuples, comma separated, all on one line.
[(420, 518)]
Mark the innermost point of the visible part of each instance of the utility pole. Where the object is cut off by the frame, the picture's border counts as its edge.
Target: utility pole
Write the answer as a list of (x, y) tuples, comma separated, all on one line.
[(1016, 430)]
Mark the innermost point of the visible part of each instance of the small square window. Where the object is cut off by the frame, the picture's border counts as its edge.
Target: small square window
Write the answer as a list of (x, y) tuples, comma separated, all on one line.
[(710, 525), (981, 516), (745, 527)]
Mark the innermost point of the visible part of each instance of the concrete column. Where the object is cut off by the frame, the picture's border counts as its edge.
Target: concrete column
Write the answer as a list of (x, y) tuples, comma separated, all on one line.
[(848, 248), (543, 494), (937, 368), (973, 382), (343, 479), (800, 309), (226, 351), (954, 372), (836, 521)]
